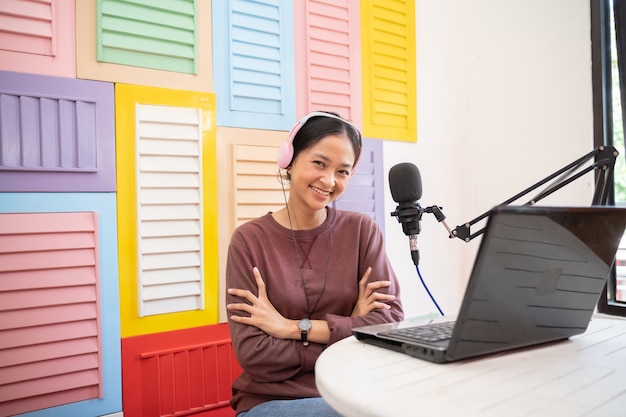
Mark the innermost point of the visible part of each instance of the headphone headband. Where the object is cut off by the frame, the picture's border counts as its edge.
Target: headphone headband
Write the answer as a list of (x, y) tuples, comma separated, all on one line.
[(285, 152)]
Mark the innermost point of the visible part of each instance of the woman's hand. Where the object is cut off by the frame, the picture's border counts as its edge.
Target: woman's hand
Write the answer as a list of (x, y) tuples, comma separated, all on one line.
[(262, 313), (369, 299)]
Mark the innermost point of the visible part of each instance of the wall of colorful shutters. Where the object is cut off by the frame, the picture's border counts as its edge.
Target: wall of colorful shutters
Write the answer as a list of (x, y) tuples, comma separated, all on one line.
[(134, 137)]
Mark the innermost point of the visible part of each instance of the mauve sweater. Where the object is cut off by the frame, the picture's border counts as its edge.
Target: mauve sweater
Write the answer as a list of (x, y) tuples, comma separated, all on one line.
[(349, 243)]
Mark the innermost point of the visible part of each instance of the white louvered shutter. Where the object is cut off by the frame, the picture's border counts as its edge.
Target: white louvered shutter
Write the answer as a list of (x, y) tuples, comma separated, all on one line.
[(169, 207)]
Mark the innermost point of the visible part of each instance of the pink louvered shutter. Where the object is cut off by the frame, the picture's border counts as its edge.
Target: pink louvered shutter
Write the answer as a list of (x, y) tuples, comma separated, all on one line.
[(328, 57), (38, 37), (28, 26), (50, 337)]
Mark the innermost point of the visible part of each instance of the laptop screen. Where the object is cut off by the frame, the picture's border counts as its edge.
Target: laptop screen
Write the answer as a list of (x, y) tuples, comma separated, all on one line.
[(537, 277)]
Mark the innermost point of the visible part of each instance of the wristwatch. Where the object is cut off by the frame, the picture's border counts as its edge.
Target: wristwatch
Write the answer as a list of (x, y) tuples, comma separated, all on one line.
[(304, 325)]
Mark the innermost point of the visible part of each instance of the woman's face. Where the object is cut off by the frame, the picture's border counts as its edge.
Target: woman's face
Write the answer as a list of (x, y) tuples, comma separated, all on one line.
[(320, 173)]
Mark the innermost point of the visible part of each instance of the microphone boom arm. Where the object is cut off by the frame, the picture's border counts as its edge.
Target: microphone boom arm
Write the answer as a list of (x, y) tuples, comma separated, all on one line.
[(604, 164)]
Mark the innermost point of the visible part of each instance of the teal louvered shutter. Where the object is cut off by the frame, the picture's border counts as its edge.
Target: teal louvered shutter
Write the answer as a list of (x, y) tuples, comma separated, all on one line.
[(253, 63), (159, 35)]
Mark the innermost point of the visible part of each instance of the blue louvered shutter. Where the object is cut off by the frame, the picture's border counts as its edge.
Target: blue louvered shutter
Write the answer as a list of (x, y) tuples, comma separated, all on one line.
[(253, 63)]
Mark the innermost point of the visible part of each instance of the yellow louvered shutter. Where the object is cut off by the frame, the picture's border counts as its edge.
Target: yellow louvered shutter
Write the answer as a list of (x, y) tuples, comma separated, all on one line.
[(389, 69), (167, 224)]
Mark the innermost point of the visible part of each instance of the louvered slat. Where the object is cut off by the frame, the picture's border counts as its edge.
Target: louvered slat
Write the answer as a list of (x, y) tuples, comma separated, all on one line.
[(331, 60), (27, 26), (254, 40), (365, 191), (160, 35), (49, 329), (257, 186), (389, 94), (256, 49), (169, 171), (53, 134)]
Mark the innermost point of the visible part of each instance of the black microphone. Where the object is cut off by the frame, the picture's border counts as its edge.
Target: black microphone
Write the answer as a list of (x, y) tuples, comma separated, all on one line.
[(405, 184)]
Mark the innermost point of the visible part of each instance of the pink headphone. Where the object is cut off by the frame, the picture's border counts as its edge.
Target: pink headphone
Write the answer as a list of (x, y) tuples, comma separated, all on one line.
[(285, 152)]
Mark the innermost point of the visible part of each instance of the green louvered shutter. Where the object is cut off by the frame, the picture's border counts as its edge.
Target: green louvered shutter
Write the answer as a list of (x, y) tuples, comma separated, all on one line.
[(159, 34)]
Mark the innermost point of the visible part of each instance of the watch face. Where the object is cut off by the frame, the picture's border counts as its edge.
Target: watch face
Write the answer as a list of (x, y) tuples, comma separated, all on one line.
[(304, 324)]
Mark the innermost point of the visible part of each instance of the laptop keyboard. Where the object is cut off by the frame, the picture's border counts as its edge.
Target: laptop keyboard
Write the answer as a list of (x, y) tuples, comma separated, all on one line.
[(433, 332)]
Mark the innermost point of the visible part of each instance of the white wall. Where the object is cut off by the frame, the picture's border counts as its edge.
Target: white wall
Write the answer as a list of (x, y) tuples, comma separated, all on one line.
[(504, 99)]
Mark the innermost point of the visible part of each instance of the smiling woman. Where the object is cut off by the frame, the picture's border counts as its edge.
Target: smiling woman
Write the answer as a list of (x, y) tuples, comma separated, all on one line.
[(299, 279)]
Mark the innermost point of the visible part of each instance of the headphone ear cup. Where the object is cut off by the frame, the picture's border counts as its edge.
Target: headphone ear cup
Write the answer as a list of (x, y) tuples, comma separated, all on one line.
[(285, 153)]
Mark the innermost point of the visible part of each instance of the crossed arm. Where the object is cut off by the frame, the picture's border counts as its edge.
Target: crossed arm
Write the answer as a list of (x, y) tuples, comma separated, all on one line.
[(263, 315)]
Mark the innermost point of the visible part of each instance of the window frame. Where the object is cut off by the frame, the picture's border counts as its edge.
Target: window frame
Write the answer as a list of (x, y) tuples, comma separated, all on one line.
[(603, 121)]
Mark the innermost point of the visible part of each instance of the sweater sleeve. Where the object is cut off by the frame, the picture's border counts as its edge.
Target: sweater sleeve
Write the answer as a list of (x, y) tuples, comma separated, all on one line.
[(263, 357), (372, 254)]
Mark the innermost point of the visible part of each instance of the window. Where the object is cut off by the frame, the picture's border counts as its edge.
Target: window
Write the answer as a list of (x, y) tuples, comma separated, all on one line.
[(608, 33)]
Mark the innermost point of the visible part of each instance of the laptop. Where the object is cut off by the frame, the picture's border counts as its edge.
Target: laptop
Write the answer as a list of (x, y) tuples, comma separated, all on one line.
[(537, 277)]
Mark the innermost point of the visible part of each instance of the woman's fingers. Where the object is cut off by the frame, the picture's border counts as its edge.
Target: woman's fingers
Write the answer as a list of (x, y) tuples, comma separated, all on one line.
[(363, 280), (243, 294), (259, 283)]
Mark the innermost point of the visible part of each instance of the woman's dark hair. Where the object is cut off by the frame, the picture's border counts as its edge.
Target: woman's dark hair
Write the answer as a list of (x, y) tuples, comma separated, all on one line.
[(318, 127)]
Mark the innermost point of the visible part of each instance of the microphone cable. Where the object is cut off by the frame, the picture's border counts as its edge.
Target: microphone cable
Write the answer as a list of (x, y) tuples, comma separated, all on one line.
[(419, 274)]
